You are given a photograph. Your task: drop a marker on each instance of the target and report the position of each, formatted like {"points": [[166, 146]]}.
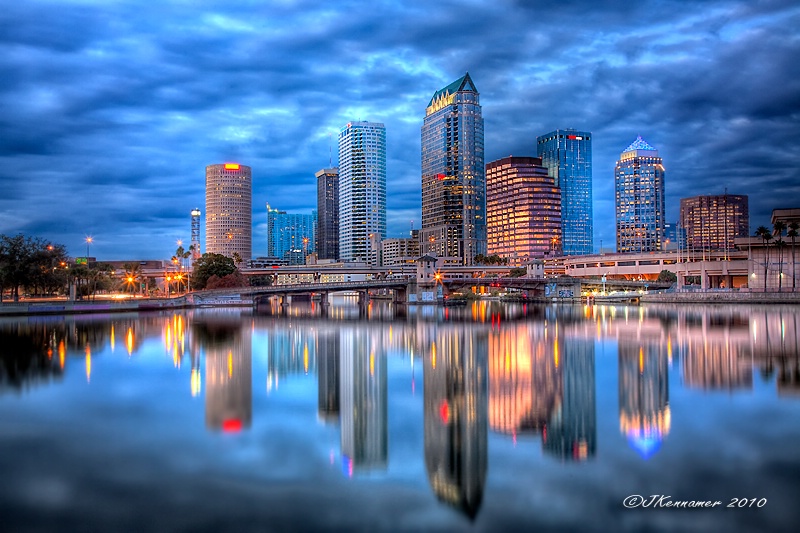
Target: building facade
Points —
{"points": [[229, 210], [362, 190], [327, 236], [400, 251], [714, 222], [639, 199], [453, 178], [523, 210], [290, 235], [567, 154]]}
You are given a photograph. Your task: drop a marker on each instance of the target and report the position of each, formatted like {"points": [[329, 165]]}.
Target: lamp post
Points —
{"points": [[89, 239]]}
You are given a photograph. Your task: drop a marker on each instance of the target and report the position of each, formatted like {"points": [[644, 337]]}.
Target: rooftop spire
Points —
{"points": [[639, 144]]}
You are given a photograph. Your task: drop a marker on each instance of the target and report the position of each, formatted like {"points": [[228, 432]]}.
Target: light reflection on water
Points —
{"points": [[432, 415]]}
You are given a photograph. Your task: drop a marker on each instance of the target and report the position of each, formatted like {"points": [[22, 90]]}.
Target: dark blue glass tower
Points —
{"points": [[567, 154]]}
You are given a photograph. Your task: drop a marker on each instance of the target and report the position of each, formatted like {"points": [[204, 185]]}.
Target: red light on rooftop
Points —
{"points": [[231, 166], [232, 425]]}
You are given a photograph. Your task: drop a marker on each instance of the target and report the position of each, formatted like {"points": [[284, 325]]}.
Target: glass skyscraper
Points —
{"points": [[362, 190], [327, 244], [453, 174], [287, 232], [567, 154], [639, 198]]}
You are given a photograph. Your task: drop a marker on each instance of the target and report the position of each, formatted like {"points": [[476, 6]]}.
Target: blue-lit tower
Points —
{"points": [[639, 198], [567, 154]]}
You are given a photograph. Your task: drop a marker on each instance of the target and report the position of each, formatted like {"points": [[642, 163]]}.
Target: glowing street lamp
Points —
{"points": [[89, 240]]}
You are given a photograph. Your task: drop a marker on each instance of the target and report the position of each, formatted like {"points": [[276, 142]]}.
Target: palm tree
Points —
{"points": [[766, 236], [793, 226], [777, 230]]}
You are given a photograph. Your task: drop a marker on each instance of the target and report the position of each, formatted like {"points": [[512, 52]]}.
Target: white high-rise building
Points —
{"points": [[362, 190]]}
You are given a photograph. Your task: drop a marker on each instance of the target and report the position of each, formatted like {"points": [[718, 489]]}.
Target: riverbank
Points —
{"points": [[722, 297], [66, 307]]}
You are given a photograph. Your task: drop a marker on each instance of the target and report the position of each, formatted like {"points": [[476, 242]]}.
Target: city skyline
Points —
{"points": [[115, 111]]}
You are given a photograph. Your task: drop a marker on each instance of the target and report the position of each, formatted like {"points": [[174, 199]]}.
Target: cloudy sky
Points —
{"points": [[111, 109]]}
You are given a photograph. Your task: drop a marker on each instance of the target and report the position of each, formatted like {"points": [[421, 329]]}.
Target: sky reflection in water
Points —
{"points": [[489, 417]]}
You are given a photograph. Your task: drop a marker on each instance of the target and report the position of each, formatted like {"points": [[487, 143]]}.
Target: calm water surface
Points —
{"points": [[489, 417]]}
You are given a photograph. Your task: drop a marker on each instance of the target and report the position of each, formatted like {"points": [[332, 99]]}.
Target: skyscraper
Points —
{"points": [[327, 244], [229, 210], [713, 222], [523, 210], [453, 178], [567, 154], [290, 232], [362, 190], [639, 186]]}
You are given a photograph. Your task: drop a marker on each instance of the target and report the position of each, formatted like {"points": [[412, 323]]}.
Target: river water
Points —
{"points": [[489, 417]]}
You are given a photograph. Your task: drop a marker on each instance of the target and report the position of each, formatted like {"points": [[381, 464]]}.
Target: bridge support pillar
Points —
{"points": [[363, 298]]}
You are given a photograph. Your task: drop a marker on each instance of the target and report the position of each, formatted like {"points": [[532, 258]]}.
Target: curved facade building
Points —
{"points": [[229, 210], [523, 210]]}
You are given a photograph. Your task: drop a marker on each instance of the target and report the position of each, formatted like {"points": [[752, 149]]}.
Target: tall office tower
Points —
{"points": [[290, 235], [567, 154], [195, 245], [644, 413], [327, 243], [639, 185], [523, 210], [453, 179], [713, 222], [229, 210], [362, 190]]}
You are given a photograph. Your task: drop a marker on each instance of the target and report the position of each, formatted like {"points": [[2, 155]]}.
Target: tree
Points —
{"points": [[28, 262], [517, 273], [230, 281], [211, 265], [766, 236], [666, 275], [777, 230], [793, 233]]}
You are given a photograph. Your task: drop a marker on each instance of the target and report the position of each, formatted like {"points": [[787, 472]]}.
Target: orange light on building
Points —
{"points": [[231, 166]]}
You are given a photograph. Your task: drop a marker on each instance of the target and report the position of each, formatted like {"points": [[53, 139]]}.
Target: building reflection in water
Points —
{"points": [[363, 401], [571, 432], [290, 351], [228, 376], [525, 386], [644, 414], [328, 361], [456, 419]]}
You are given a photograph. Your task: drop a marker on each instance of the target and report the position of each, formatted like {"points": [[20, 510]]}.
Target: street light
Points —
{"points": [[89, 240]]}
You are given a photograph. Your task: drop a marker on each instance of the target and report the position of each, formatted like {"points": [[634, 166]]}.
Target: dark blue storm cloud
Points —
{"points": [[110, 111]]}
